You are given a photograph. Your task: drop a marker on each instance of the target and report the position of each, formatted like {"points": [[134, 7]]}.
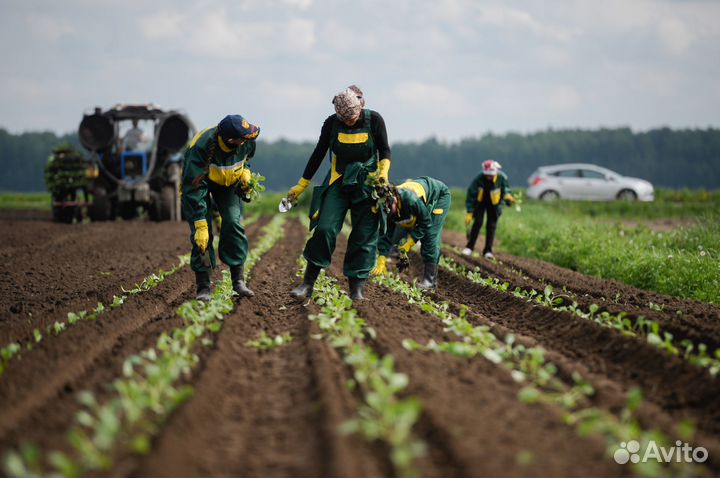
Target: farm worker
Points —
{"points": [[358, 143], [420, 206], [215, 169], [485, 196]]}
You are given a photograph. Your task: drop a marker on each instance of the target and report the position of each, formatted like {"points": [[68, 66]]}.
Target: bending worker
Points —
{"points": [[214, 168], [420, 205], [357, 140], [484, 197]]}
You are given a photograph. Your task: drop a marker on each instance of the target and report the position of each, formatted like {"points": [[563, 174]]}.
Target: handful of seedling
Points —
{"points": [[254, 187]]}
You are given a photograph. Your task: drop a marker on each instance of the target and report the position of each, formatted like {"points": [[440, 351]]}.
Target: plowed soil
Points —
{"points": [[277, 412]]}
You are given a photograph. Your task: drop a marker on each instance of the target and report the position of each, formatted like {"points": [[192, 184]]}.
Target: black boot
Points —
{"points": [[357, 286], [429, 280], [204, 292], [305, 289], [238, 282]]}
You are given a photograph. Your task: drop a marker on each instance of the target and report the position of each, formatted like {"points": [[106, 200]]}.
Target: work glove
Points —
{"points": [[407, 245], [380, 268], [202, 236], [244, 178], [509, 200], [468, 218], [298, 189], [383, 170]]}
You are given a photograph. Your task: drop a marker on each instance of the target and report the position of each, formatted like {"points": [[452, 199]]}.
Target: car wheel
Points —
{"points": [[550, 196], [627, 195]]}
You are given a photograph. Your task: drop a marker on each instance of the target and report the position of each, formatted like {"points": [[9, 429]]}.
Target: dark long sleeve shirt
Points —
{"points": [[379, 133]]}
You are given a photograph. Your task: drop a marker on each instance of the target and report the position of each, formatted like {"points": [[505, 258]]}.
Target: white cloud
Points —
{"points": [[514, 18], [217, 34], [675, 35], [49, 28], [423, 97]]}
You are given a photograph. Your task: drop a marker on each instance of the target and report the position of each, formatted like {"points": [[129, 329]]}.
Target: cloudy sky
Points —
{"points": [[443, 68]]}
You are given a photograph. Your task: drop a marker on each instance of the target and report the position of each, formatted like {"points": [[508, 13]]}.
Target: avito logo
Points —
{"points": [[681, 452]]}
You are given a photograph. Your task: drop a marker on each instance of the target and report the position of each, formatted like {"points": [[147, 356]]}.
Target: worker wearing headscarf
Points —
{"points": [[357, 140], [486, 195], [420, 205], [215, 168]]}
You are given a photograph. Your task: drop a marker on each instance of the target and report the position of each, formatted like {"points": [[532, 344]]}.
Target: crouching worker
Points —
{"points": [[420, 205], [215, 169], [485, 197]]}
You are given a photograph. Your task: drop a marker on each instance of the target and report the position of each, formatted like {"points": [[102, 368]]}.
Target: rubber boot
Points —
{"points": [[308, 284], [429, 280], [357, 286], [204, 292], [238, 282]]}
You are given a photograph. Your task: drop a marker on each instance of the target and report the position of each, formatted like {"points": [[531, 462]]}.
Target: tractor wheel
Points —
{"points": [[163, 206], [101, 207], [127, 210], [64, 215]]}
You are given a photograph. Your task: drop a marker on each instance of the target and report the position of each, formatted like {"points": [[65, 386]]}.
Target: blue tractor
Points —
{"points": [[137, 170]]}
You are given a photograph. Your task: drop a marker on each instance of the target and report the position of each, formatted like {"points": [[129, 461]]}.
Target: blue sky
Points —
{"points": [[445, 68]]}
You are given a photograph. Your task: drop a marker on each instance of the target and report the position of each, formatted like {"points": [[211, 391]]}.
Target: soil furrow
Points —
{"points": [[264, 413]]}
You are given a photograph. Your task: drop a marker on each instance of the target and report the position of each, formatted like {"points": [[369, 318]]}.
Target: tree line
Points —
{"points": [[684, 158]]}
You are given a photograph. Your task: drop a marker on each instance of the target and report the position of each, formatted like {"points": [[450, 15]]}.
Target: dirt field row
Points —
{"points": [[277, 412]]}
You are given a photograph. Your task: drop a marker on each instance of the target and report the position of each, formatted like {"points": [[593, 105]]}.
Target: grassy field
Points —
{"points": [[35, 201]]}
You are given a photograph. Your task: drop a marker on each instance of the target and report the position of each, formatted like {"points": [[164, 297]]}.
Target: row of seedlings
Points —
{"points": [[384, 414], [696, 354]]}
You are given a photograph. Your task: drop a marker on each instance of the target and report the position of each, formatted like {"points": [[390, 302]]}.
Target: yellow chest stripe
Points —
{"points": [[416, 188], [353, 138]]}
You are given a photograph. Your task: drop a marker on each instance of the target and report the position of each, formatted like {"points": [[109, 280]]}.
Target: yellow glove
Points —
{"points": [[510, 200], [202, 236], [405, 247], [468, 218], [380, 268], [383, 170], [298, 189], [244, 178]]}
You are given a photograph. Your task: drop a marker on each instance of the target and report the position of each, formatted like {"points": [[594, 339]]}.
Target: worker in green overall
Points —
{"points": [[357, 140], [485, 196], [215, 169], [420, 205]]}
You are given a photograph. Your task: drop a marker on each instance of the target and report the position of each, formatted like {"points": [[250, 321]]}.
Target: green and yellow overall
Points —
{"points": [[354, 156], [485, 196], [424, 206], [211, 172]]}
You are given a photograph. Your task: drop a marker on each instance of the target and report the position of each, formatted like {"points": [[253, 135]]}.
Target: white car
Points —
{"points": [[586, 182]]}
